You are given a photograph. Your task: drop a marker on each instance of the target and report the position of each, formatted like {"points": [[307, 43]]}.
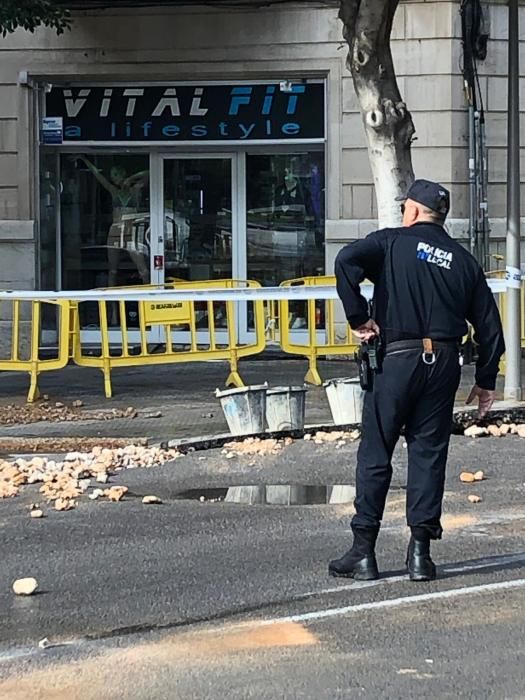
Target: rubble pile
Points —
{"points": [[47, 445], [339, 437], [62, 482], [58, 412], [255, 446], [495, 430]]}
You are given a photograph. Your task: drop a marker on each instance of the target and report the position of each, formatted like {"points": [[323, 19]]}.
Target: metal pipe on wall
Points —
{"points": [[472, 178], [513, 389], [483, 201]]}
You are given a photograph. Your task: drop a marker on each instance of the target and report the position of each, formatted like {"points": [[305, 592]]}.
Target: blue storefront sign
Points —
{"points": [[258, 112]]}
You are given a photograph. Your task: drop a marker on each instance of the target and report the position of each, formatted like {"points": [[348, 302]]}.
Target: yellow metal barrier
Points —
{"points": [[322, 335], [209, 332], [22, 332]]}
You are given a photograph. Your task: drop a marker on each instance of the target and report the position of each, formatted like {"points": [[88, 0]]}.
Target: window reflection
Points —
{"points": [[105, 227], [198, 218], [285, 223], [285, 217], [105, 220]]}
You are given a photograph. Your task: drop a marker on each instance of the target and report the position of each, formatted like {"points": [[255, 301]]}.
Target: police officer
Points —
{"points": [[426, 286]]}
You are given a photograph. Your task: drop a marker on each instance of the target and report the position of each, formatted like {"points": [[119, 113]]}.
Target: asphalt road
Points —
{"points": [[215, 600]]}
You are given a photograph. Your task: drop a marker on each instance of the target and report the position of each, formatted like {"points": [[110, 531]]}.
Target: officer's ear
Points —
{"points": [[411, 213]]}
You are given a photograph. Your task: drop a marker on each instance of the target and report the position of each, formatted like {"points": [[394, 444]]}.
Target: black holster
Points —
{"points": [[369, 361]]}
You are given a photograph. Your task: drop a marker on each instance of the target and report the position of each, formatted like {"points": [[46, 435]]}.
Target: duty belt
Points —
{"points": [[426, 344]]}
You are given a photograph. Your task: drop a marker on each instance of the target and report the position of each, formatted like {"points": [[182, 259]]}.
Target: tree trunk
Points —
{"points": [[388, 124]]}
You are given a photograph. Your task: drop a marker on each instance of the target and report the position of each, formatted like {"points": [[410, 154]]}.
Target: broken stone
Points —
{"points": [[494, 431], [7, 490], [116, 493], [77, 404], [73, 456], [151, 500], [25, 586], [252, 446], [37, 513], [62, 486], [475, 431], [479, 475], [474, 499], [63, 504], [13, 475], [151, 414], [467, 477], [307, 437], [44, 643], [333, 436]]}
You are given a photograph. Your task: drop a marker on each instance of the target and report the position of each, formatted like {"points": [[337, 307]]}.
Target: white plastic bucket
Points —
{"points": [[346, 398], [244, 409], [285, 408]]}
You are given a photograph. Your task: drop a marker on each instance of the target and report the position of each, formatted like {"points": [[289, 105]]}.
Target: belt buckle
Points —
{"points": [[428, 355]]}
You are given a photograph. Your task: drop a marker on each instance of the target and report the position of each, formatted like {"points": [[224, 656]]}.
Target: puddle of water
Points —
{"points": [[274, 494]]}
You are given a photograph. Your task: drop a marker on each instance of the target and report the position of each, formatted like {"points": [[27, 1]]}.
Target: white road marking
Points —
{"points": [[395, 602]]}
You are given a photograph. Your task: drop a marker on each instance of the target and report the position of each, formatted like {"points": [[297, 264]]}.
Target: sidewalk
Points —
{"points": [[183, 394]]}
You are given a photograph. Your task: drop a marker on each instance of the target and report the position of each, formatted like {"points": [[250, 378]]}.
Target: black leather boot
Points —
{"points": [[419, 563], [359, 562]]}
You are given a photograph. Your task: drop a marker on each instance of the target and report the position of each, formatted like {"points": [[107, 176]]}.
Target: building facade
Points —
{"points": [[175, 143]]}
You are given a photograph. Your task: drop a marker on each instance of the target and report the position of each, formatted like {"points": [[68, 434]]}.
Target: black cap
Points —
{"points": [[430, 194]]}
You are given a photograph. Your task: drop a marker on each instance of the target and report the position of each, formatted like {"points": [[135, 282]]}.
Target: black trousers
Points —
{"points": [[420, 397]]}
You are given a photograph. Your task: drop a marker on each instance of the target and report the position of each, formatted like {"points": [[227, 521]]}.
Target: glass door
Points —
{"points": [[198, 214], [198, 235]]}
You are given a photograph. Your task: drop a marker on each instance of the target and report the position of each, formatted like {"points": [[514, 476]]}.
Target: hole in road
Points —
{"points": [[274, 494]]}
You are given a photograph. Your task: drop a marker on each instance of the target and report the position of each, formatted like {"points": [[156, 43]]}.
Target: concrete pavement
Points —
{"points": [[184, 394]]}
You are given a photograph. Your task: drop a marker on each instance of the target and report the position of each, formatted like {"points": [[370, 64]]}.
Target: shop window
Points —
{"points": [[285, 222], [105, 220], [285, 216]]}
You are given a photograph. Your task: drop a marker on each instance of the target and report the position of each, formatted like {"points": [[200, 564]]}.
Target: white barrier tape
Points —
{"points": [[295, 293], [302, 292]]}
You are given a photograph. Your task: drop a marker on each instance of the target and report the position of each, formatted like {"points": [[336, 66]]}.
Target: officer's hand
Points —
{"points": [[367, 331], [486, 399]]}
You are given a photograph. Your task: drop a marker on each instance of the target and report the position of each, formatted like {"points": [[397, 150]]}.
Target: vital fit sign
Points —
{"points": [[189, 113]]}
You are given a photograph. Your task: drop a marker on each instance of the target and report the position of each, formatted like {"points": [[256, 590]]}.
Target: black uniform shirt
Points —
{"points": [[426, 286]]}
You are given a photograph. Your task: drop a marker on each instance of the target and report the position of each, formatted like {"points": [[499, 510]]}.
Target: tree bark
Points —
{"points": [[367, 26]]}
